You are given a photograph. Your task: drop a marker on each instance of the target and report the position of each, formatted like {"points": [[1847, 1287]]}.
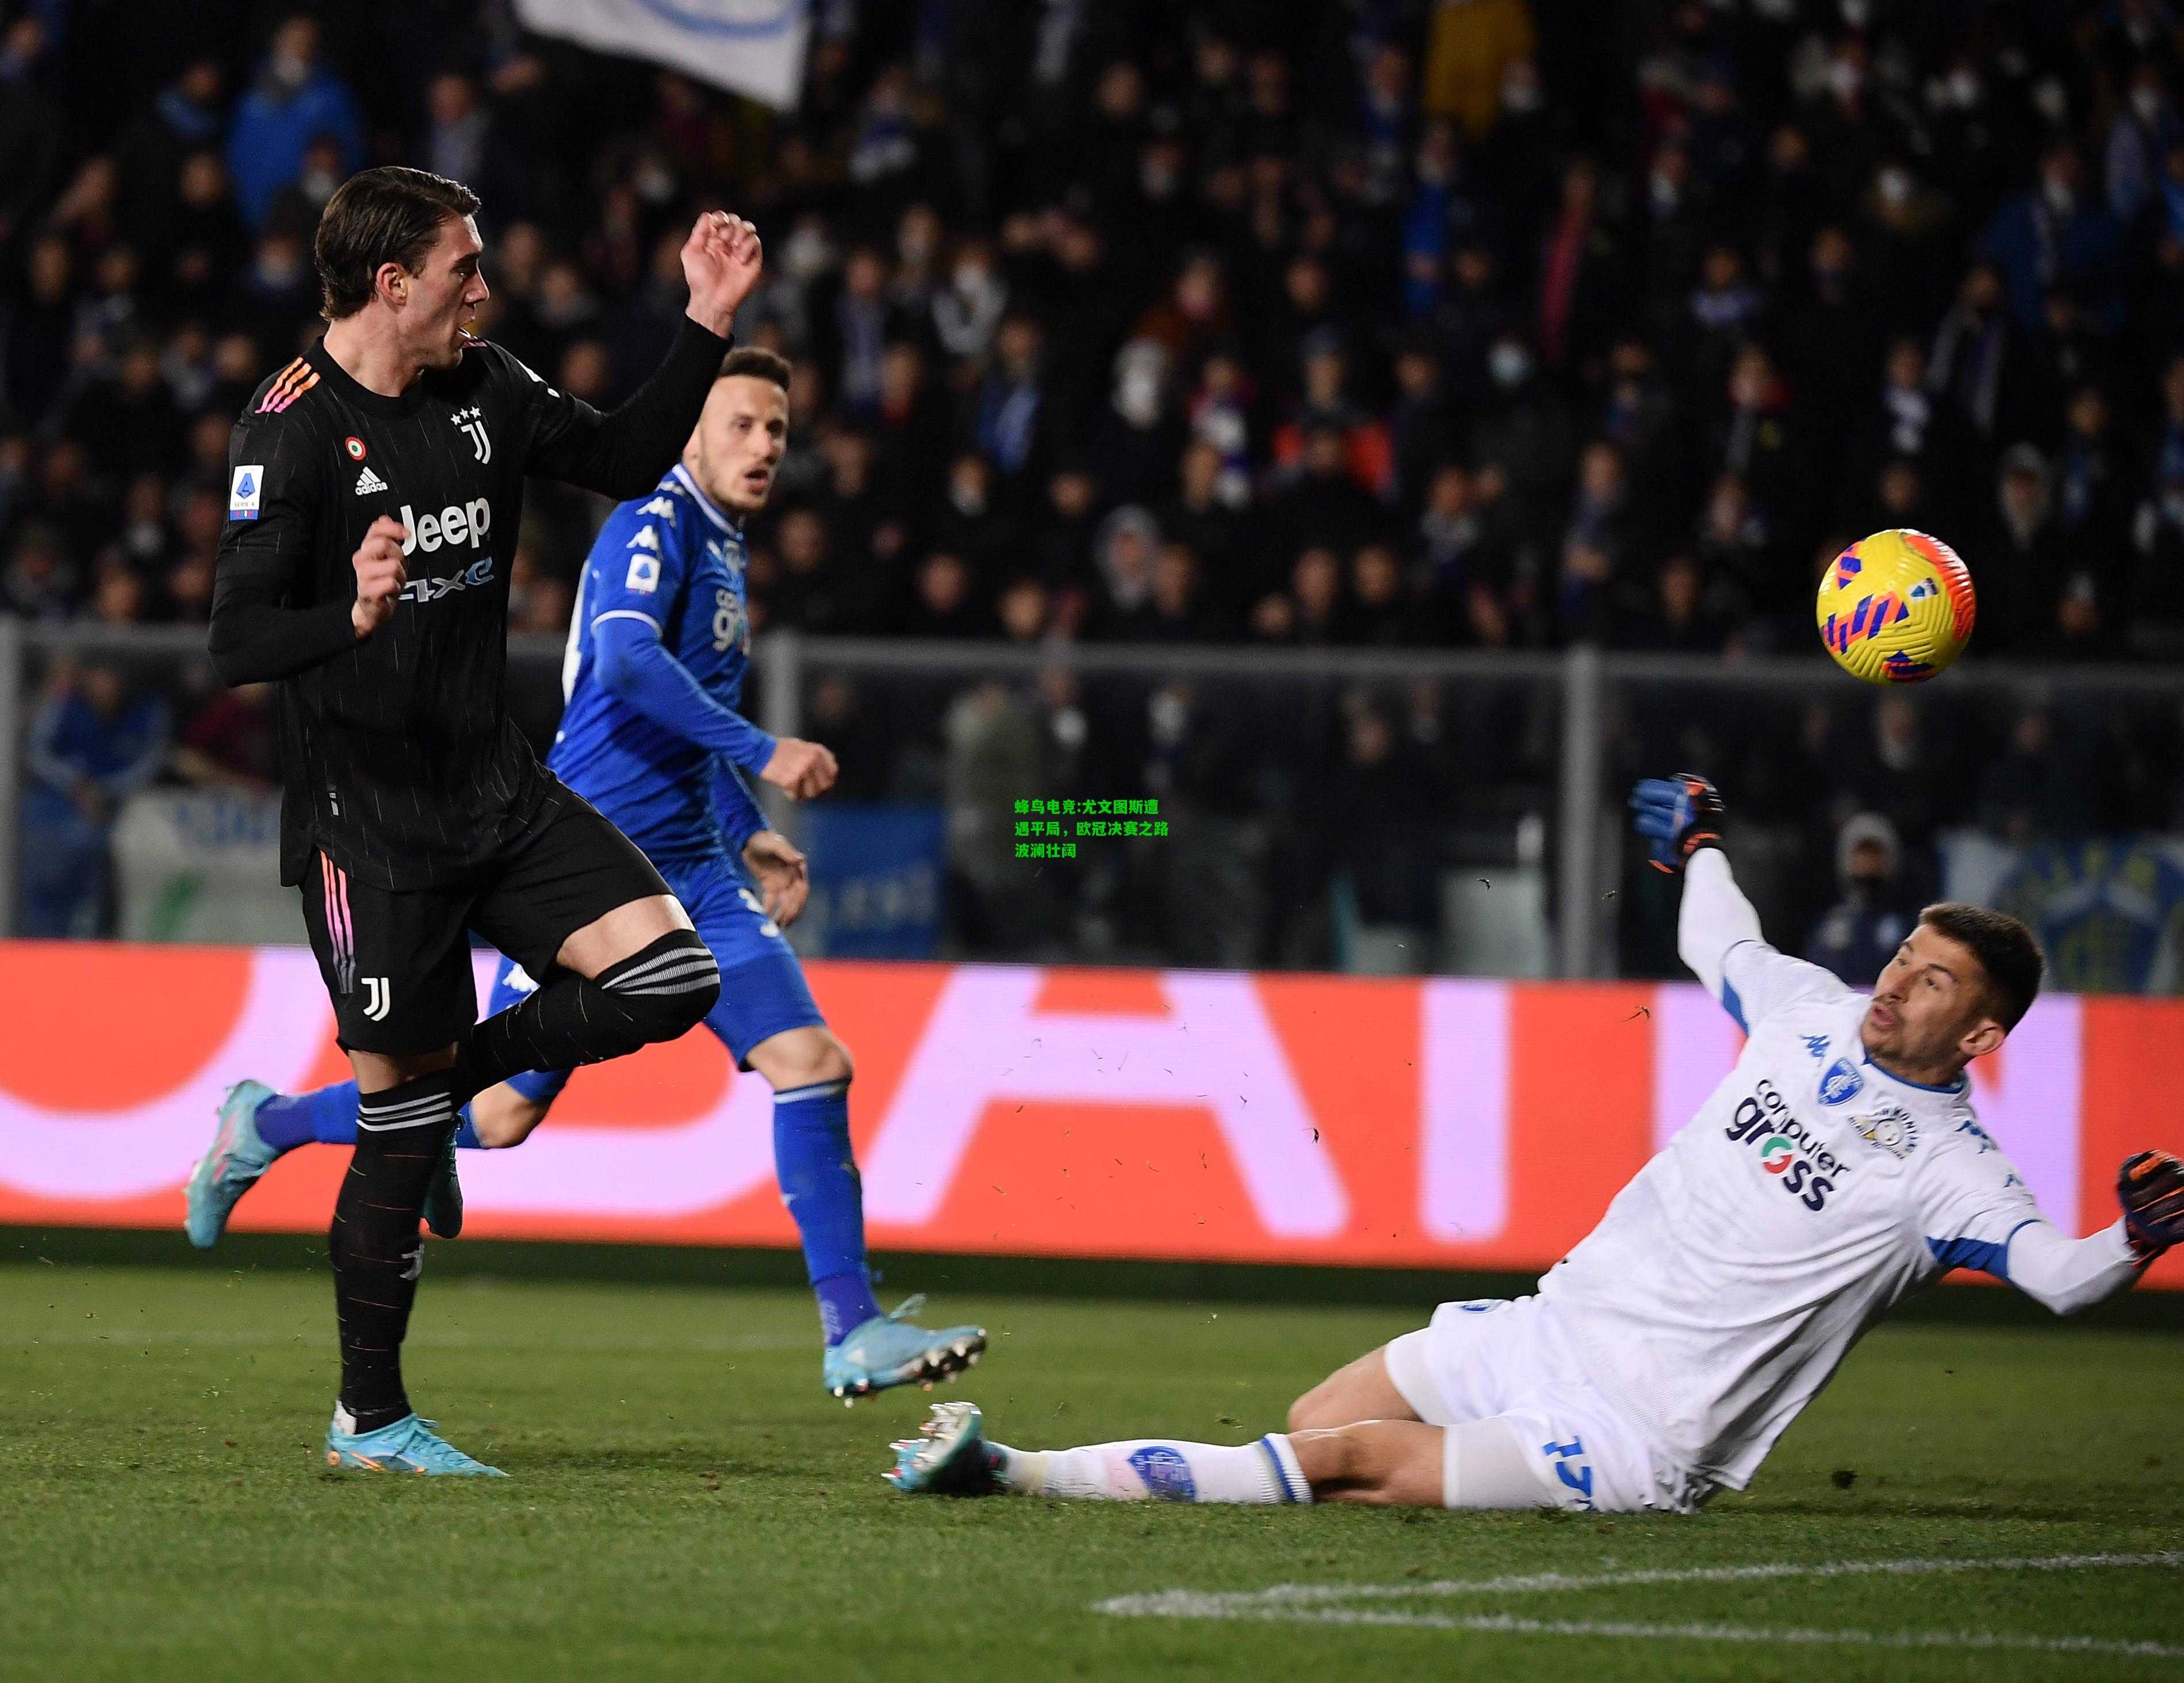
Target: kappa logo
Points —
{"points": [[368, 481], [1842, 1083], [472, 421], [1817, 1045], [662, 506]]}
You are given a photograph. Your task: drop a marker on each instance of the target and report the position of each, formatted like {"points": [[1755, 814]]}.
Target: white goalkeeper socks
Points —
{"points": [[1159, 1469]]}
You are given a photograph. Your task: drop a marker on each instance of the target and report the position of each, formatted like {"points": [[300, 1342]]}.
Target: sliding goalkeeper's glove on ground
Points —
{"points": [[2151, 1188], [1679, 814]]}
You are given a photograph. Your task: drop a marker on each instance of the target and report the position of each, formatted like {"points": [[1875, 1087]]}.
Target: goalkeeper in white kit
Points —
{"points": [[1837, 1170]]}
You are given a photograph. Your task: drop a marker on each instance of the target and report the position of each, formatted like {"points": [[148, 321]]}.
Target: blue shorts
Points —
{"points": [[763, 992]]}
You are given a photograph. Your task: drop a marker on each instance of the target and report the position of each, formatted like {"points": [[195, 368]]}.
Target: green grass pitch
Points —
{"points": [[686, 1503]]}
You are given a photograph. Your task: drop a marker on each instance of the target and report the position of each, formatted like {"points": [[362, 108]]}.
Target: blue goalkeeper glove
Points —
{"points": [[1679, 814], [2151, 1189]]}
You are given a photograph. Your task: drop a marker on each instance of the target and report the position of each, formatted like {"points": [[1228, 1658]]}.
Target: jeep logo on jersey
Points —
{"points": [[456, 525], [431, 589], [1842, 1083]]}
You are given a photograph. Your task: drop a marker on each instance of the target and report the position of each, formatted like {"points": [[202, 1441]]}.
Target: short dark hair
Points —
{"points": [[389, 214], [758, 362], [2005, 949]]}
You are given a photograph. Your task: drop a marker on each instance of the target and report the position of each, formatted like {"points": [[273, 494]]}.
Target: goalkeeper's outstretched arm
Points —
{"points": [[1717, 932], [2068, 1274]]}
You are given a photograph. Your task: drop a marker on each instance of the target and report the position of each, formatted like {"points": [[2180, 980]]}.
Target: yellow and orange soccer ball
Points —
{"points": [[1896, 607]]}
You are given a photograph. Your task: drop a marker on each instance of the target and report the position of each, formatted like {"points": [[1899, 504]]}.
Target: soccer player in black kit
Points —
{"points": [[376, 485]]}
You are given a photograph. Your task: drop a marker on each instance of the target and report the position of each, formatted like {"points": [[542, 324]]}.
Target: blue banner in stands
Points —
{"points": [[876, 880]]}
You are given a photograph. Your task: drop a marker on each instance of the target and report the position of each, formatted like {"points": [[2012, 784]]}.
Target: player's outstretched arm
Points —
{"points": [[2068, 1274], [1992, 1222], [1717, 932], [623, 454], [635, 668]]}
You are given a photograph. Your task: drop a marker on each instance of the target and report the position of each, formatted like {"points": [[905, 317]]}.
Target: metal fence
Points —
{"points": [[1382, 811]]}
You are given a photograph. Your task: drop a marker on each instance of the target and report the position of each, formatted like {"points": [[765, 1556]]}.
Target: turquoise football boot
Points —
{"points": [[409, 1446], [948, 1456], [444, 1198], [888, 1350], [239, 1157]]}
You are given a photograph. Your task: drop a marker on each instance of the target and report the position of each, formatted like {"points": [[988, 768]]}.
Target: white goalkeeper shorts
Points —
{"points": [[1511, 1359]]}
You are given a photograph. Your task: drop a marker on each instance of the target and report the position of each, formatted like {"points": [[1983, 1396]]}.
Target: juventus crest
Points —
{"points": [[472, 421]]}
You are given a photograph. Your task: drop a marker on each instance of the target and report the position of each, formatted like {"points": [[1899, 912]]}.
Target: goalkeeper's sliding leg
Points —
{"points": [[1384, 1462], [1486, 1408]]}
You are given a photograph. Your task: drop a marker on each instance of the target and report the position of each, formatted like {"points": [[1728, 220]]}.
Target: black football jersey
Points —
{"points": [[400, 759]]}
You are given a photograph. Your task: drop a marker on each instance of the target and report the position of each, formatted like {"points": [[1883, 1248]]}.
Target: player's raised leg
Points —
{"points": [[257, 1127]]}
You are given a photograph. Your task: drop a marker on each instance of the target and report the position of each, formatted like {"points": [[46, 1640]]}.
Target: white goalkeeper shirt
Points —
{"points": [[1811, 1192]]}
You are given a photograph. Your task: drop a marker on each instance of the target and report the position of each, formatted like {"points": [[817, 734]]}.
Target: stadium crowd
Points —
{"points": [[1492, 323]]}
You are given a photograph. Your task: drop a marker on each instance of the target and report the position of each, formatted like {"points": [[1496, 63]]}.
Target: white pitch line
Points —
{"points": [[1222, 1604], [1505, 1624], [1316, 1604]]}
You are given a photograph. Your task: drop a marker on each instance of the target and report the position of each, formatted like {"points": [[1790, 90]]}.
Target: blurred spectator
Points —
{"points": [[1379, 614], [944, 603], [90, 746], [2035, 789], [39, 331], [294, 99], [2017, 559], [1859, 934], [1580, 275], [808, 595], [1676, 619], [2052, 230], [1133, 444], [40, 583], [1126, 546], [968, 309], [1472, 45], [229, 744], [1008, 424]]}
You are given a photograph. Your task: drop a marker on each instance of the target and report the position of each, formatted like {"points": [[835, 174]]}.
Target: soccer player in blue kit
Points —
{"points": [[651, 736]]}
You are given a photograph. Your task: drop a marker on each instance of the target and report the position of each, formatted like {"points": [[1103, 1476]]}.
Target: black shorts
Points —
{"points": [[397, 964]]}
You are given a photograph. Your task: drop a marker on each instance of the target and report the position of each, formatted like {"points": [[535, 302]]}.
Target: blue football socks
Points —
{"points": [[819, 1184], [328, 1116]]}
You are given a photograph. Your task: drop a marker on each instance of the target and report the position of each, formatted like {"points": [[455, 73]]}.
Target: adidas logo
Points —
{"points": [[368, 481]]}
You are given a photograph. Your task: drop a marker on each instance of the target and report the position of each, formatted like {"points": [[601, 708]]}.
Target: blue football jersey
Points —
{"points": [[675, 560]]}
